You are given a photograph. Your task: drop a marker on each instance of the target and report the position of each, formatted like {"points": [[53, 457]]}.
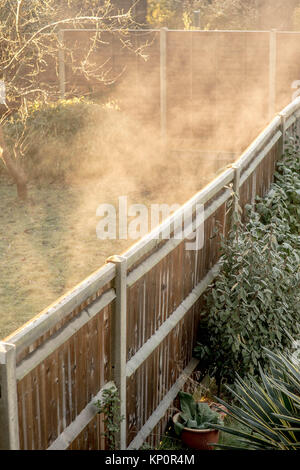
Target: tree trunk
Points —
{"points": [[13, 169]]}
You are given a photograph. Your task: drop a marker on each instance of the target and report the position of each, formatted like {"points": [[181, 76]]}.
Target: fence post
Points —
{"points": [[61, 65], [272, 73], [282, 128], [163, 83], [9, 420], [119, 342], [236, 186]]}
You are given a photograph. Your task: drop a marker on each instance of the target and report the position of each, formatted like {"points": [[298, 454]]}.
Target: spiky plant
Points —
{"points": [[271, 411]]}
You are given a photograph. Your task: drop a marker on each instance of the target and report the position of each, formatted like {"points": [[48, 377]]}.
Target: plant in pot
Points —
{"points": [[196, 421]]}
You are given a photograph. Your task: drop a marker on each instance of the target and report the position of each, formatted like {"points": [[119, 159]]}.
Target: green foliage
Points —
{"points": [[255, 300], [283, 201], [225, 14], [214, 14], [164, 13], [195, 415], [30, 46], [61, 119], [271, 411], [110, 407], [229, 14]]}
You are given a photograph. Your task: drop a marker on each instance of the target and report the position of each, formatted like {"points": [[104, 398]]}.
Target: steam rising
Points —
{"points": [[50, 245]]}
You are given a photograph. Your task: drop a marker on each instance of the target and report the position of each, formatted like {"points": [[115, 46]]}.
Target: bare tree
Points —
{"points": [[30, 46]]}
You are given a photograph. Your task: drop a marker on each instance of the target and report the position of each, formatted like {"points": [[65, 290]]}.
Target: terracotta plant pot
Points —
{"points": [[199, 439], [202, 438]]}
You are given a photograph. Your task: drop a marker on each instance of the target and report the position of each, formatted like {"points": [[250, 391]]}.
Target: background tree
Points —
{"points": [[30, 46], [214, 14], [276, 14], [164, 13], [223, 14], [296, 17], [226, 14]]}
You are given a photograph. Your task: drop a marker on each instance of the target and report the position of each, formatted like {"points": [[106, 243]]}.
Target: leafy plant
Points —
{"points": [[283, 201], [164, 13], [59, 138], [255, 299], [195, 415], [109, 405], [271, 411], [215, 14]]}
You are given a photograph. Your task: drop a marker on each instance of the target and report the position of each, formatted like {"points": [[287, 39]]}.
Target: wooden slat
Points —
{"points": [[162, 408], [146, 350], [60, 338]]}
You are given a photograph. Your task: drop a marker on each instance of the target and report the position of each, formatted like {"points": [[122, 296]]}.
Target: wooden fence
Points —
{"points": [[133, 323]]}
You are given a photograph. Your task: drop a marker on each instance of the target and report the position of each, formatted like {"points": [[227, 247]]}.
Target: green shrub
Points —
{"points": [[284, 198], [255, 300], [56, 139], [109, 406]]}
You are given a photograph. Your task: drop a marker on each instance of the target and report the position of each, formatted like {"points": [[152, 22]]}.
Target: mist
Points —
{"points": [[217, 101]]}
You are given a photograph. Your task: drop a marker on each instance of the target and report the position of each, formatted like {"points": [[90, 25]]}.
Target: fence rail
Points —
{"points": [[133, 323]]}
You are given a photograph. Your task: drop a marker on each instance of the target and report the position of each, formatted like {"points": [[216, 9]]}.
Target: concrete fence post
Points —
{"points": [[61, 65], [272, 73], [236, 186], [282, 140], [119, 352], [9, 420], [163, 83]]}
